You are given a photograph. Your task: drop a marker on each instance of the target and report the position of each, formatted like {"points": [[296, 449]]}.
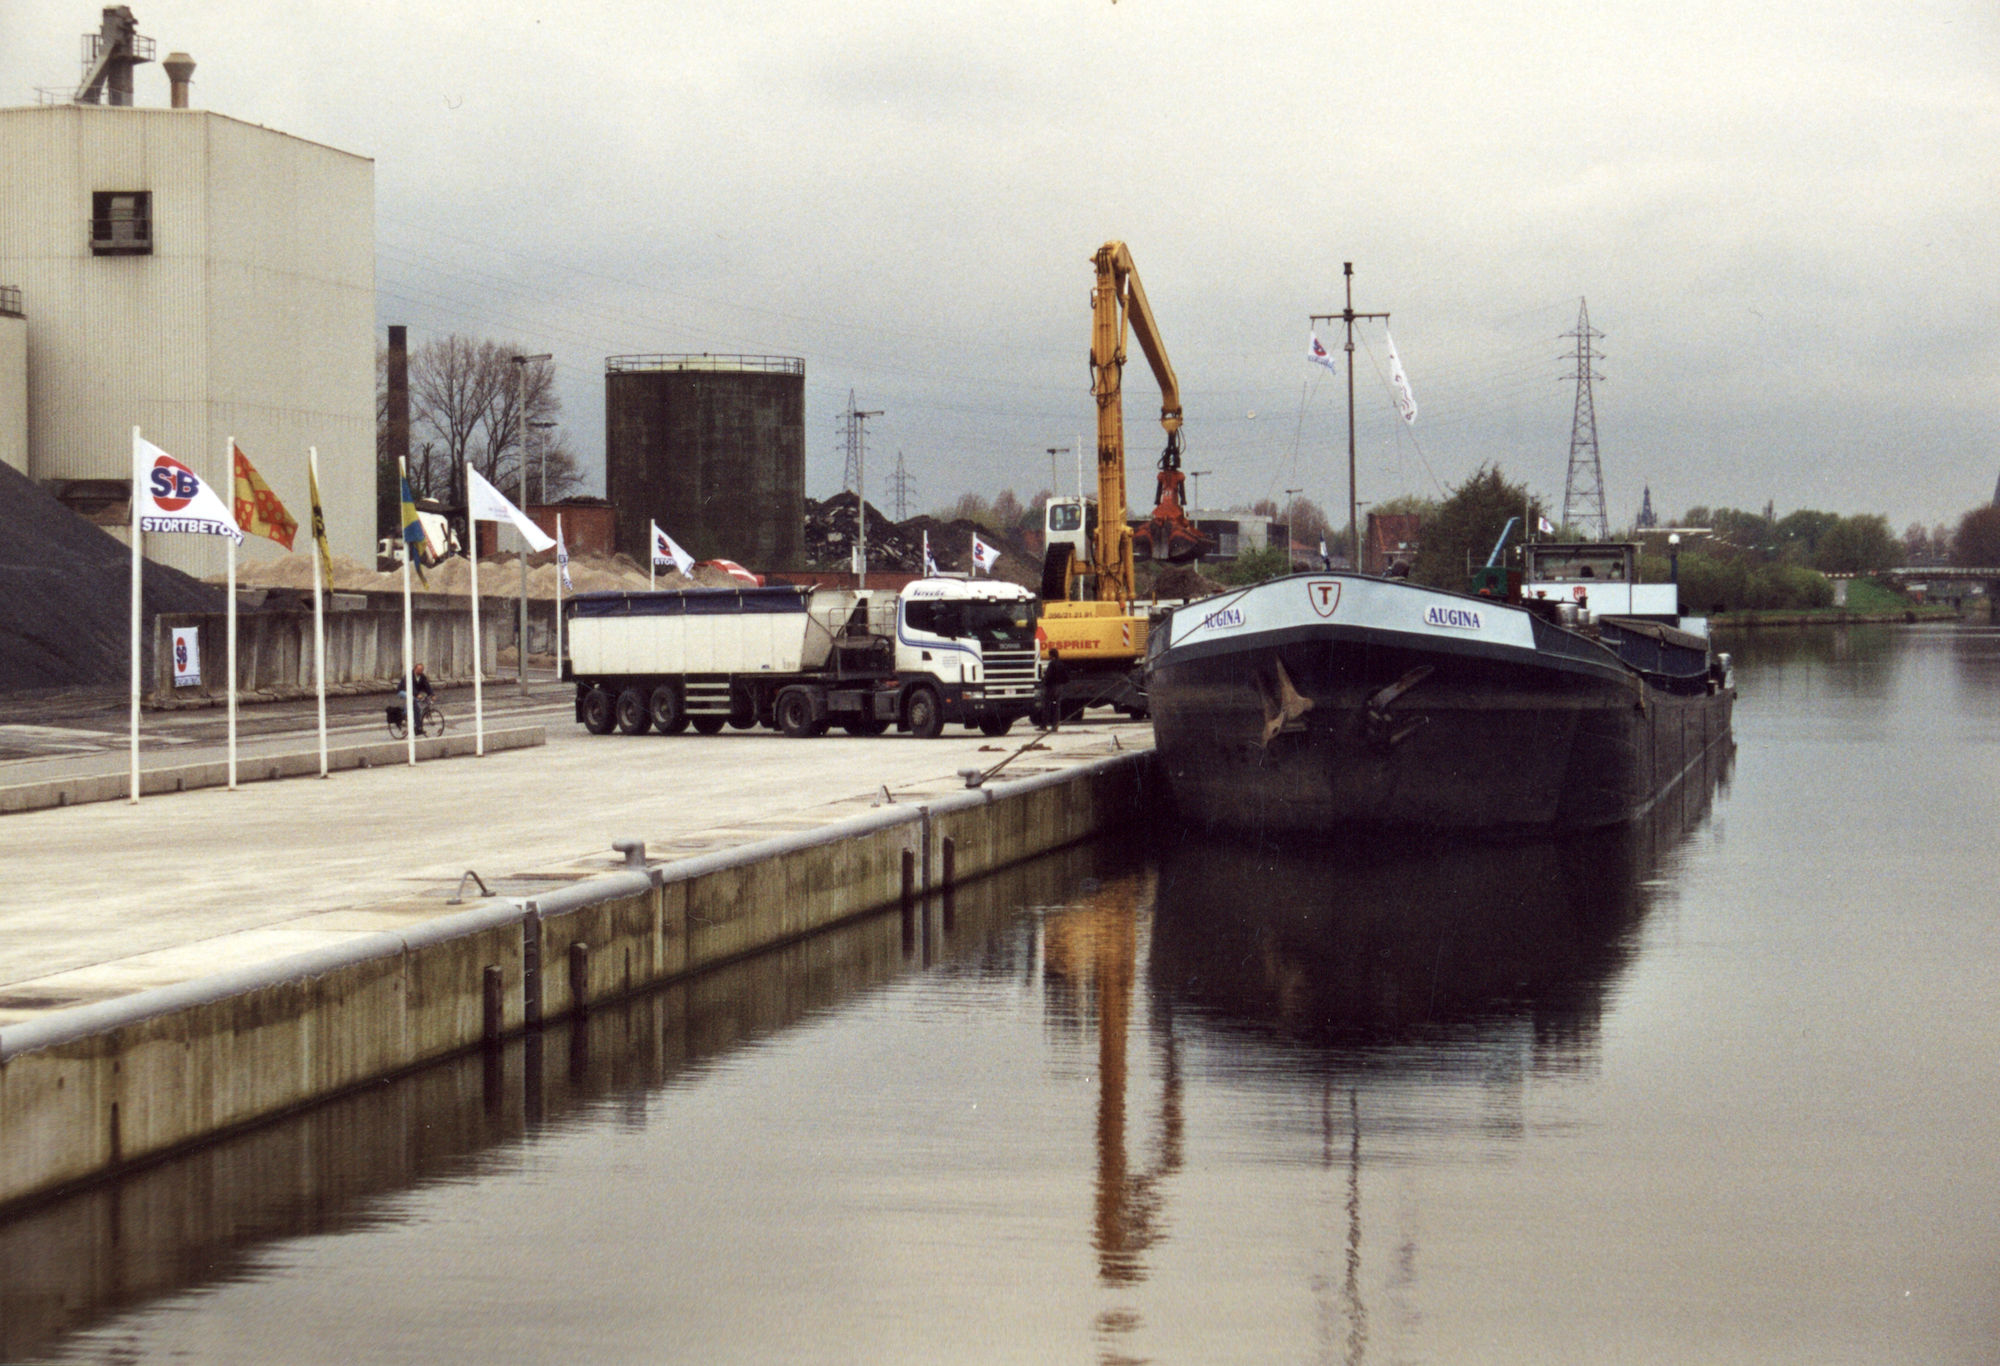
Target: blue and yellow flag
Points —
{"points": [[413, 530]]}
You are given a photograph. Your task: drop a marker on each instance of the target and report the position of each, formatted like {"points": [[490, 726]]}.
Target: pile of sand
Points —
{"points": [[66, 593], [499, 576]]}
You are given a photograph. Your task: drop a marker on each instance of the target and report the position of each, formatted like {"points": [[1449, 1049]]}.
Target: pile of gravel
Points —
{"points": [[66, 594]]}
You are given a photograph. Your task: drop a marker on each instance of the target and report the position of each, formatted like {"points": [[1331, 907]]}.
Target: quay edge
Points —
{"points": [[92, 1090]]}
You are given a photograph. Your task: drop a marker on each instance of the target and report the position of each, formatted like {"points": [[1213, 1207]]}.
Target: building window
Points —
{"points": [[121, 223]]}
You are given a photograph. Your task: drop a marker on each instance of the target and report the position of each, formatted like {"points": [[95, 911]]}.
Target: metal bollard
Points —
{"points": [[495, 1017], [579, 978]]}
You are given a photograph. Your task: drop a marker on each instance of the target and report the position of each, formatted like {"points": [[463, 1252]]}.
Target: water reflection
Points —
{"points": [[214, 1215], [1381, 972], [1386, 945]]}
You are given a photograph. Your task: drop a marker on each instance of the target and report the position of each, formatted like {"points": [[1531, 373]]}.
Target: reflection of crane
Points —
{"points": [[1088, 581], [1093, 949]]}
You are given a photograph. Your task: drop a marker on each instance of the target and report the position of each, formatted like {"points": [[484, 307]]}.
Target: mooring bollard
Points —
{"points": [[579, 978], [490, 996], [909, 880], [949, 876]]}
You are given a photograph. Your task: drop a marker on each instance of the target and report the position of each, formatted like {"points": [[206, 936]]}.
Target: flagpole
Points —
{"points": [[229, 459], [136, 495], [652, 556], [410, 721], [478, 654], [319, 609], [562, 568]]}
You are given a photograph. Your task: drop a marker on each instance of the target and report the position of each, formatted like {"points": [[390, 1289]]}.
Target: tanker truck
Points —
{"points": [[799, 660]]}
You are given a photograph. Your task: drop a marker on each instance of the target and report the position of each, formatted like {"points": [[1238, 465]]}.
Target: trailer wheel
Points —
{"points": [[926, 714], [600, 711], [795, 714], [633, 718], [665, 707], [709, 725], [742, 711], [864, 725], [995, 725]]}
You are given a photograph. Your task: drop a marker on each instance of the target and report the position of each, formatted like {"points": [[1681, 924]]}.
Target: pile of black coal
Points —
{"points": [[66, 593]]}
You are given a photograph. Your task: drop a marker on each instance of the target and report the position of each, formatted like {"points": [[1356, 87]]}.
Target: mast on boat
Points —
{"points": [[1348, 315]]}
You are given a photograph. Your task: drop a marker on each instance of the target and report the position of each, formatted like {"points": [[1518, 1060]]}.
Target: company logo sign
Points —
{"points": [[1456, 618], [1324, 594], [173, 484]]}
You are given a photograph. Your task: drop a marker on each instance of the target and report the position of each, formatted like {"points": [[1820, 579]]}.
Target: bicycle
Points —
{"points": [[399, 725]]}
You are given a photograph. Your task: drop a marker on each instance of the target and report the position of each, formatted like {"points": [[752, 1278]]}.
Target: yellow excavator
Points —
{"points": [[1092, 639]]}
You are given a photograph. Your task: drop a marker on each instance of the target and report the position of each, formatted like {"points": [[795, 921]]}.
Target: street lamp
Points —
{"points": [[1054, 484], [521, 403], [1194, 481]]}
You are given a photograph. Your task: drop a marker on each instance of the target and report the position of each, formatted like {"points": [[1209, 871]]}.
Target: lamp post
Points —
{"points": [[542, 474], [1054, 484], [1194, 485], [521, 491], [1291, 516]]}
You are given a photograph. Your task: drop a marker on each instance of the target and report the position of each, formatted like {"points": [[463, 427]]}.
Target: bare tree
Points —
{"points": [[466, 406]]}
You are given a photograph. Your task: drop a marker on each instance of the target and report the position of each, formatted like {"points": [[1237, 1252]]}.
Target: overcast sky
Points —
{"points": [[1782, 216]]}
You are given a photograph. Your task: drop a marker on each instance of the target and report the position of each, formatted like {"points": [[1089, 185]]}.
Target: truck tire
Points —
{"points": [[926, 714], [864, 725], [600, 711], [665, 707], [633, 716], [709, 725], [995, 725], [794, 711]]}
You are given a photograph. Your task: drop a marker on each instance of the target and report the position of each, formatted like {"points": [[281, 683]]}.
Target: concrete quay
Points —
{"points": [[198, 962]]}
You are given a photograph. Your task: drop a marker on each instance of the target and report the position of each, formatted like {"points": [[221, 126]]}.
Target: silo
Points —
{"points": [[713, 448]]}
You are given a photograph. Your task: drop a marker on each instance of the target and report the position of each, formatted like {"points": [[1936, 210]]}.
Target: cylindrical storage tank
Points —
{"points": [[713, 448]]}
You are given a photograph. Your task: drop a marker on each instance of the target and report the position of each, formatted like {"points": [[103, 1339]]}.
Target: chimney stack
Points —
{"points": [[180, 70]]}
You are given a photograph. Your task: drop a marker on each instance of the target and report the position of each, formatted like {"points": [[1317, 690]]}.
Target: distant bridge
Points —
{"points": [[1939, 574]]}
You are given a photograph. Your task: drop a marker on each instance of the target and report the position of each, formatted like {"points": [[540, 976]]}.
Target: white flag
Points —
{"points": [[667, 551], [1405, 400], [1319, 355], [984, 556], [930, 564], [1545, 527], [172, 497], [491, 505], [562, 559]]}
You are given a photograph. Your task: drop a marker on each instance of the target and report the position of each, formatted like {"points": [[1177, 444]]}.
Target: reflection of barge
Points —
{"points": [[1572, 701], [1390, 942]]}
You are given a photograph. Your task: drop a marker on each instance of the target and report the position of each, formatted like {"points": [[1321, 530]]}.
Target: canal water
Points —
{"points": [[1724, 1087]]}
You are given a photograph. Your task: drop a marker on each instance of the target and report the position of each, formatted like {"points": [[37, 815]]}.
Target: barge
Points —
{"points": [[1559, 695]]}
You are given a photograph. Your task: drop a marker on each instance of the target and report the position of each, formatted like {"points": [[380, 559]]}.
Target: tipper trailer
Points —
{"points": [[798, 660]]}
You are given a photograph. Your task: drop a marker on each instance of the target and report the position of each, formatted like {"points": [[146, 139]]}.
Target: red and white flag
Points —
{"points": [[172, 497], [984, 556], [1319, 355], [666, 550]]}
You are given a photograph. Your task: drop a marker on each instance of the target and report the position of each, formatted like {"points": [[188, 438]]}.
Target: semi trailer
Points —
{"points": [[799, 660]]}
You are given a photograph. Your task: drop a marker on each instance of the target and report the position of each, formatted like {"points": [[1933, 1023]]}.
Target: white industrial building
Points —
{"points": [[201, 278]]}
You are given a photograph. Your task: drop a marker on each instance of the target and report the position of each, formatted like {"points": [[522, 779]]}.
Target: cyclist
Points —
{"points": [[422, 685]]}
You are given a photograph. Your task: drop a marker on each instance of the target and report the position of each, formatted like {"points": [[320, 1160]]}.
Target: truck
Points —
{"points": [[799, 660]]}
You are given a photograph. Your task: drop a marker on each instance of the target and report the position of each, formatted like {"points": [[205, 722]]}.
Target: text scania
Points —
{"points": [[1459, 618]]}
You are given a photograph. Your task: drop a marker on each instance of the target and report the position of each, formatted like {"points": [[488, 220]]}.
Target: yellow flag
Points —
{"points": [[319, 522], [258, 511]]}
